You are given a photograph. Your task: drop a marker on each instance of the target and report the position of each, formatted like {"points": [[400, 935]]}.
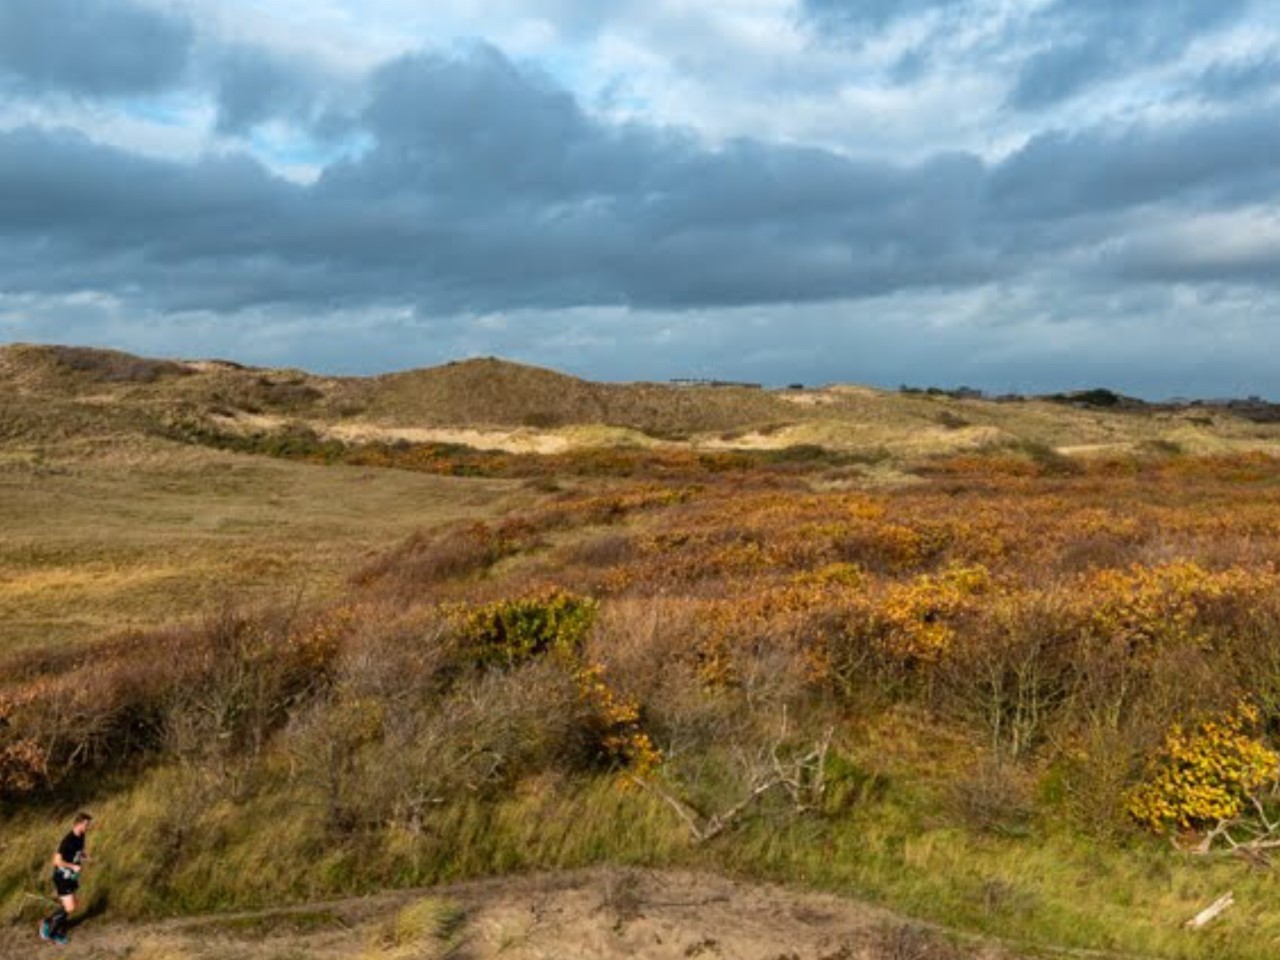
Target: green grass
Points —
{"points": [[170, 845]]}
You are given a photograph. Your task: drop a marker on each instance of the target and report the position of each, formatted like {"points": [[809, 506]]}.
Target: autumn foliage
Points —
{"points": [[1079, 619], [1205, 774]]}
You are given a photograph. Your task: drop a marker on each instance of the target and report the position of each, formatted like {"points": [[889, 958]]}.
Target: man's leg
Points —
{"points": [[58, 922]]}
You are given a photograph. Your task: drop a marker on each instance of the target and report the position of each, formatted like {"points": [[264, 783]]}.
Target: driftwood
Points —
{"points": [[1211, 911], [1252, 838]]}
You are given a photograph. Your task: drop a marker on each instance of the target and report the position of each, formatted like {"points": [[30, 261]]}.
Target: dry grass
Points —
{"points": [[59, 394], [138, 538]]}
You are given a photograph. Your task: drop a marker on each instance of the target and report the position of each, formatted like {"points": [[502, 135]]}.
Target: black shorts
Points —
{"points": [[65, 884]]}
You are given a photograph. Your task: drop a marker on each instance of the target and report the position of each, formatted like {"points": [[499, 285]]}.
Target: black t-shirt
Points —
{"points": [[71, 847]]}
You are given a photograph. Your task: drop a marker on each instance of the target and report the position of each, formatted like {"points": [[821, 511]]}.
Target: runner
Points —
{"points": [[67, 862]]}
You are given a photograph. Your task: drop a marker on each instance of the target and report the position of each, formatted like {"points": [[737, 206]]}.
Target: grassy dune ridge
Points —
{"points": [[934, 677]]}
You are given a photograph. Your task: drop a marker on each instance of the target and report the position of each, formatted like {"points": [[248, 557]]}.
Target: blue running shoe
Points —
{"points": [[44, 930], [60, 939]]}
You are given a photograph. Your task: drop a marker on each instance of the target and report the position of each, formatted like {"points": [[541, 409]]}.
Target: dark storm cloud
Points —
{"points": [[252, 86], [1260, 268], [62, 186], [1210, 250], [521, 191], [92, 47], [487, 187], [1225, 160], [1087, 41]]}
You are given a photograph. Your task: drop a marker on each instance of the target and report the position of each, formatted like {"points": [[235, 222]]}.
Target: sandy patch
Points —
{"points": [[514, 440], [603, 914], [510, 441], [855, 437], [808, 398], [1092, 449], [252, 422]]}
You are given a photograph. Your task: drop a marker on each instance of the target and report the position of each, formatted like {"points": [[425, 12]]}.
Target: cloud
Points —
{"points": [[1083, 42], [252, 86], [1232, 80], [103, 49], [1238, 247], [92, 48], [1225, 159], [1050, 52], [487, 187], [870, 15], [491, 210]]}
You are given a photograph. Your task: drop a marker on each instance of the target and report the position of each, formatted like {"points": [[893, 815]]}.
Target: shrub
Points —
{"points": [[1204, 775], [110, 366], [1012, 670], [616, 723], [992, 797], [507, 633], [1145, 609], [427, 559], [915, 622]]}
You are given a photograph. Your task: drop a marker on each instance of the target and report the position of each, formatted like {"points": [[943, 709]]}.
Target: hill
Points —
{"points": [[70, 394]]}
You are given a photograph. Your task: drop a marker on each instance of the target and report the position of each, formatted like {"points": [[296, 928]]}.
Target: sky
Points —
{"points": [[1017, 195]]}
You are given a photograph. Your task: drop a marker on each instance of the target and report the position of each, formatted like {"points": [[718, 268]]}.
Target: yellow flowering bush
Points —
{"points": [[1205, 774], [1147, 607], [622, 738], [510, 632], [555, 622], [917, 618]]}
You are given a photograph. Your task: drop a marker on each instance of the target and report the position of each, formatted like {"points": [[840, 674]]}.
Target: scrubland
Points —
{"points": [[989, 698], [1012, 692]]}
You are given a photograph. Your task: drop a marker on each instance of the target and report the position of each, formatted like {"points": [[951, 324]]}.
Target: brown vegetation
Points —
{"points": [[752, 649]]}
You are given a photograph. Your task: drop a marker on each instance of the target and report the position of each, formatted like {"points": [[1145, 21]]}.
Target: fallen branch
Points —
{"points": [[802, 779], [1211, 911]]}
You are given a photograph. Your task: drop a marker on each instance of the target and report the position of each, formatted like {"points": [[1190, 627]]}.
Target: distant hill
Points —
{"points": [[67, 394], [500, 393], [468, 393]]}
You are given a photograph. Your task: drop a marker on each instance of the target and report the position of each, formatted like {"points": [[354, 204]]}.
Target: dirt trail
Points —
{"points": [[605, 914]]}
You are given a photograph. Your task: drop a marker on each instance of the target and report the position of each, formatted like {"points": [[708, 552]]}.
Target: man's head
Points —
{"points": [[81, 823]]}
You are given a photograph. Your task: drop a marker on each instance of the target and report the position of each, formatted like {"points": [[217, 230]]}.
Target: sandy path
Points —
{"points": [[605, 914]]}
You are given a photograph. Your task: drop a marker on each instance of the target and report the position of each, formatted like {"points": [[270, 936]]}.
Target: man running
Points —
{"points": [[67, 861]]}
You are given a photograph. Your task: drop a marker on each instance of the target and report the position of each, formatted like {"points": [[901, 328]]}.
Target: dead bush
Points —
{"points": [[1098, 551], [1011, 671], [993, 796], [373, 762], [456, 552], [244, 676], [425, 559], [217, 689], [603, 550]]}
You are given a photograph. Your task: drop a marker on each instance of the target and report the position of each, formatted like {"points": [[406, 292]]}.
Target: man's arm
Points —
{"points": [[59, 862]]}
